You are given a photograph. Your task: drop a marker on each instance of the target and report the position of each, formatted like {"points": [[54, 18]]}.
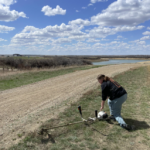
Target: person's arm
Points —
{"points": [[102, 105], [104, 95]]}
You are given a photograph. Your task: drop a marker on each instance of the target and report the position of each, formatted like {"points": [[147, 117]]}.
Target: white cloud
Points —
{"points": [[80, 22], [5, 29], [102, 32], [29, 29], [135, 41], [145, 38], [142, 42], [92, 40], [119, 37], [148, 28], [124, 12], [7, 2], [90, 4], [31, 35], [84, 7], [9, 15], [52, 12], [61, 40], [2, 40], [114, 42], [77, 10], [138, 42], [146, 33], [105, 39], [94, 1], [56, 47]]}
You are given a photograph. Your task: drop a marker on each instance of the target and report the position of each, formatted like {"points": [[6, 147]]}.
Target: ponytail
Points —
{"points": [[102, 76], [106, 78]]}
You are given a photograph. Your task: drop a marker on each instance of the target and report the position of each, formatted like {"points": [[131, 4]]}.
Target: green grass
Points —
{"points": [[108, 136], [18, 80]]}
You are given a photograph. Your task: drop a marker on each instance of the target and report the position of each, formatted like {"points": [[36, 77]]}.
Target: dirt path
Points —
{"points": [[24, 108]]}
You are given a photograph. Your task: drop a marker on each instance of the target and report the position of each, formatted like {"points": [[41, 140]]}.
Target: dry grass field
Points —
{"points": [[24, 109]]}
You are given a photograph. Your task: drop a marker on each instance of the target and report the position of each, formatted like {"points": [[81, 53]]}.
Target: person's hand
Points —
{"points": [[102, 107]]}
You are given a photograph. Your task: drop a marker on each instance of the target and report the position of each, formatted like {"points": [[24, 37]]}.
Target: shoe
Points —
{"points": [[128, 127], [112, 117]]}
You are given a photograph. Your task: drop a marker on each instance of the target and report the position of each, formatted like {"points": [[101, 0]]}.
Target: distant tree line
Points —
{"points": [[20, 63]]}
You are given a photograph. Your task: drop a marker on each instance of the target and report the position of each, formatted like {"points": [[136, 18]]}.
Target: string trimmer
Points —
{"points": [[98, 116]]}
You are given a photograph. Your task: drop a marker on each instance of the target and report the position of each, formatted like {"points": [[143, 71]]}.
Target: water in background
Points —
{"points": [[115, 61]]}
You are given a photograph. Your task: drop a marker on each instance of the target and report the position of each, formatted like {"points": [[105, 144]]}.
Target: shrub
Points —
{"points": [[43, 62]]}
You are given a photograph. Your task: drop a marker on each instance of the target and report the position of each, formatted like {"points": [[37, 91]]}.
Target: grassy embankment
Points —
{"points": [[80, 136], [18, 80]]}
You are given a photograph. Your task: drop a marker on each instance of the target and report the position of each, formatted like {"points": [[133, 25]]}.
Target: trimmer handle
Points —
{"points": [[79, 108], [96, 113]]}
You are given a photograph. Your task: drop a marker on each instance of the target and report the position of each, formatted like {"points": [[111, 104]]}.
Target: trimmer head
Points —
{"points": [[102, 115]]}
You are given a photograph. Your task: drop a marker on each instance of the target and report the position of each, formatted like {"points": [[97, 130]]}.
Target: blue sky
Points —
{"points": [[75, 27]]}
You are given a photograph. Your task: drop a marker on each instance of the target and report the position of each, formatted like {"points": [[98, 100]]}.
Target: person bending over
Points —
{"points": [[116, 95]]}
